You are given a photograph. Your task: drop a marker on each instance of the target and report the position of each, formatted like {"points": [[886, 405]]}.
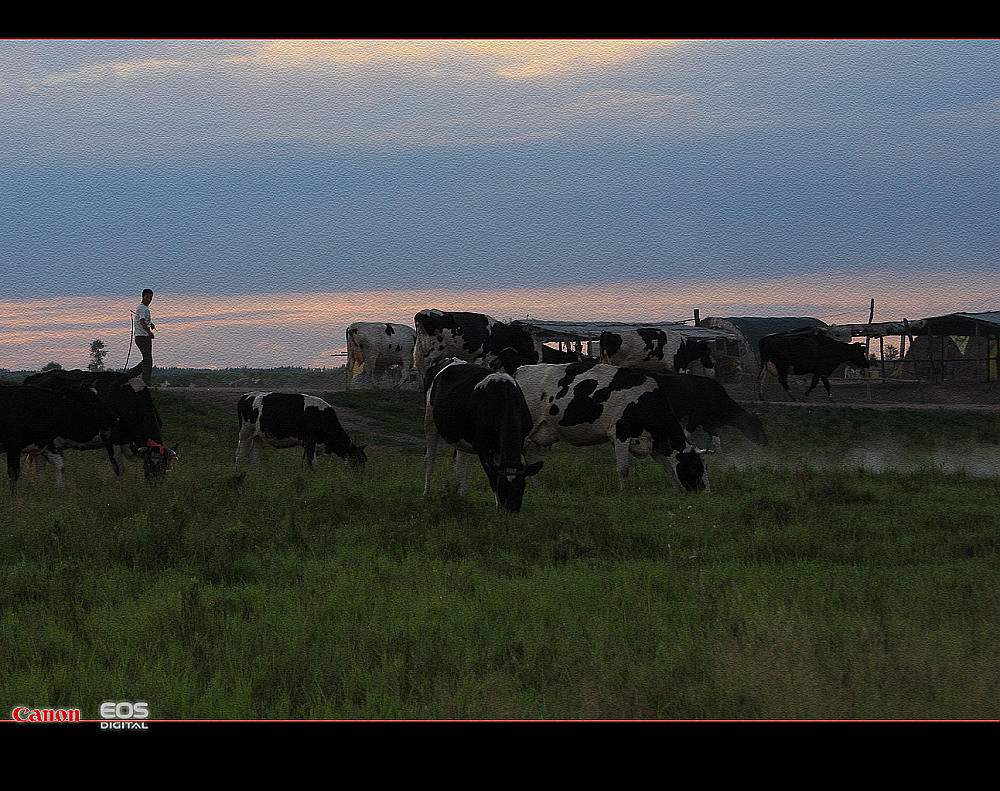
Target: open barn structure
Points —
{"points": [[955, 347], [584, 336]]}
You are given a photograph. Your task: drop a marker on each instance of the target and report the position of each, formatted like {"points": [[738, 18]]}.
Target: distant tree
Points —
{"points": [[52, 366], [97, 355]]}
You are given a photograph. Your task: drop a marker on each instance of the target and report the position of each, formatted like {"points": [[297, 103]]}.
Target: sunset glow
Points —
{"points": [[307, 330]]}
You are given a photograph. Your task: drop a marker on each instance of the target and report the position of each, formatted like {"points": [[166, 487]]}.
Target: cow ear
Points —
{"points": [[532, 469]]}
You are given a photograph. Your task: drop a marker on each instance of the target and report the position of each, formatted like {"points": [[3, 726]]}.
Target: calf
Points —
{"points": [[284, 420], [806, 351], [654, 349], [471, 337], [481, 412], [138, 433], [706, 404], [377, 343], [45, 422], [589, 404]]}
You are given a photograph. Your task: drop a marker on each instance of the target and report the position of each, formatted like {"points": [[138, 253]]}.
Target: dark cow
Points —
{"points": [[284, 420], [654, 349], [706, 404], [481, 412], [46, 422], [139, 432], [471, 337], [546, 354], [589, 404], [806, 351], [379, 343]]}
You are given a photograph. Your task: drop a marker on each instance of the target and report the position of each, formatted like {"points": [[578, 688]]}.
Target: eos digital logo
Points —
{"points": [[121, 715]]}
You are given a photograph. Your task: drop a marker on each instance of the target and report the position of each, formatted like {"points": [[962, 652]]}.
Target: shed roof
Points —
{"points": [[753, 328], [949, 324], [591, 330]]}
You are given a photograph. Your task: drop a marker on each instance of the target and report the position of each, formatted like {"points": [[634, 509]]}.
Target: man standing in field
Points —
{"points": [[144, 334]]}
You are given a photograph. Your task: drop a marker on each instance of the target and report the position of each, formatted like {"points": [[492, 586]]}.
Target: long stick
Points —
{"points": [[130, 338]]}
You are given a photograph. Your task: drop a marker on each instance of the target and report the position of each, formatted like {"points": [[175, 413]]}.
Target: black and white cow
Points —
{"points": [[482, 412], [806, 351], [379, 343], [654, 349], [46, 422], [471, 337], [284, 420], [706, 404], [139, 432], [589, 404]]}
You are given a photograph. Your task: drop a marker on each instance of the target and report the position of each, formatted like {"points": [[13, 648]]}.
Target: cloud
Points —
{"points": [[513, 60]]}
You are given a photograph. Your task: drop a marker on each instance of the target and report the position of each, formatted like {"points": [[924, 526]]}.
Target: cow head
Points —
{"points": [[509, 347], [356, 457], [508, 483], [856, 356], [690, 469], [157, 459], [689, 351]]}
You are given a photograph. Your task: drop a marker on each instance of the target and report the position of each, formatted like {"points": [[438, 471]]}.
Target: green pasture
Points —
{"points": [[848, 570]]}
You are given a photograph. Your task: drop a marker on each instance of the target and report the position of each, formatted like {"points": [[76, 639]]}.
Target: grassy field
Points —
{"points": [[850, 571]]}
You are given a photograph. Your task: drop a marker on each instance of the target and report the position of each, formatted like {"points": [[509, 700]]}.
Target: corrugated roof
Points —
{"points": [[753, 328], [591, 330]]}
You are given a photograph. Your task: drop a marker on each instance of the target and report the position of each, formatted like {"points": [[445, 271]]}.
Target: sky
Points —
{"points": [[272, 192]]}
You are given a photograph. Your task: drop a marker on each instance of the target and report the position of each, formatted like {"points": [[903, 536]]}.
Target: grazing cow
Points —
{"points": [[706, 404], [286, 419], [654, 349], [45, 422], [806, 351], [138, 433], [588, 404], [481, 412], [375, 343], [471, 337]]}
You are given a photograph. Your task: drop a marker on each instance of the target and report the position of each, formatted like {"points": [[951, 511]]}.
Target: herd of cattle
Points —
{"points": [[491, 390]]}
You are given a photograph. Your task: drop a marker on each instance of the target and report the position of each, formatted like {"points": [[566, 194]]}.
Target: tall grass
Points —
{"points": [[808, 585]]}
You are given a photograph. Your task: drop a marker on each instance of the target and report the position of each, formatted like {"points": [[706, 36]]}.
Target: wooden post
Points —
{"points": [[881, 353], [697, 317]]}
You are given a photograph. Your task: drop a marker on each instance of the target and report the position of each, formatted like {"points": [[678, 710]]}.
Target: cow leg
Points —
{"points": [[243, 446], [255, 445], [622, 461], [532, 452], [13, 467], [783, 378], [669, 464], [119, 458], [404, 371], [760, 382], [309, 453], [113, 458], [430, 449], [461, 470], [56, 460], [826, 384]]}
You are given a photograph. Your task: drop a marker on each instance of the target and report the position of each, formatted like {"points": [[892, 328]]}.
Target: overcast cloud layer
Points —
{"points": [[249, 168]]}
